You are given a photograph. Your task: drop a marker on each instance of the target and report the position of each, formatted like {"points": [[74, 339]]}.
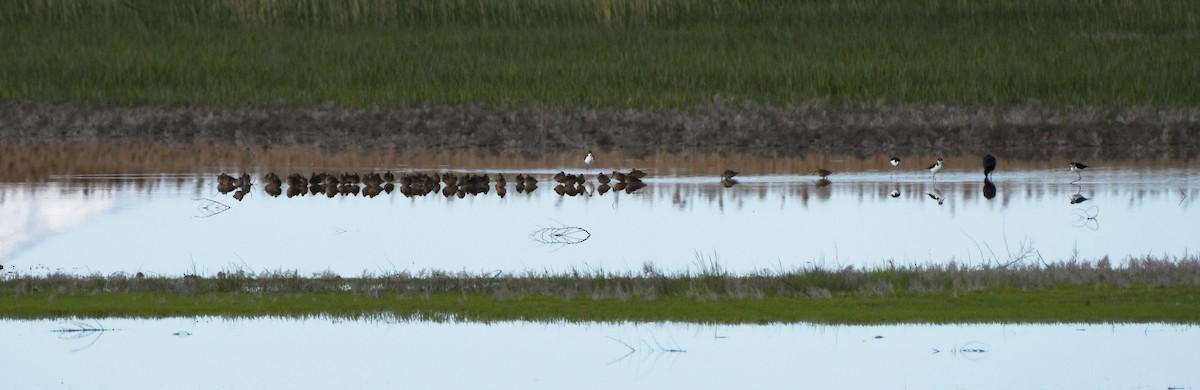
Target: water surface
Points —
{"points": [[333, 353], [777, 216]]}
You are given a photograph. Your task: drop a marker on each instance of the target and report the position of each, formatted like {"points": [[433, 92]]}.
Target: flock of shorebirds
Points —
{"points": [[420, 184], [450, 184]]}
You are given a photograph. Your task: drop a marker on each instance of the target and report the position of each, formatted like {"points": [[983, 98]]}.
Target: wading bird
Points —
{"points": [[937, 166], [588, 160], [895, 161], [1077, 167], [823, 173], [989, 165]]}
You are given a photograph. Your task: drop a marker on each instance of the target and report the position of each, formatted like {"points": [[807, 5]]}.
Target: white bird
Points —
{"points": [[895, 161], [937, 166], [589, 160]]}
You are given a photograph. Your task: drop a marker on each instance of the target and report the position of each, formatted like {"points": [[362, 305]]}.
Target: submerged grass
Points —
{"points": [[1140, 291], [624, 53]]}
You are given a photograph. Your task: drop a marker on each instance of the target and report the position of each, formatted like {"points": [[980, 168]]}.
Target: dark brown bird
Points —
{"points": [[372, 179], [823, 173], [728, 174], [989, 165]]}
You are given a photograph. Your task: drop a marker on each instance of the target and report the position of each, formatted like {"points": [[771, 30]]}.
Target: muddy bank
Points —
{"points": [[1017, 131]]}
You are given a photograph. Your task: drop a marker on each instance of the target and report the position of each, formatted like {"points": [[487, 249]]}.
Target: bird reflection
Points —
{"points": [[895, 192], [822, 182], [936, 194], [727, 183], [989, 189], [1078, 198], [1087, 218]]}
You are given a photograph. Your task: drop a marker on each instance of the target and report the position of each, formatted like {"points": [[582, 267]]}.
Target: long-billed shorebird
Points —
{"points": [[937, 166], [823, 173]]}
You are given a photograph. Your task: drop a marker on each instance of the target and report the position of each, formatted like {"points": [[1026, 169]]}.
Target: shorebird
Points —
{"points": [[728, 174], [937, 166], [822, 173], [1078, 198], [1077, 167], [989, 165], [588, 160], [895, 161]]}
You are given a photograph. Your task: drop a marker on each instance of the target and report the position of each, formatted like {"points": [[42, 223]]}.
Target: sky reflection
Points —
{"points": [[157, 224], [325, 353]]}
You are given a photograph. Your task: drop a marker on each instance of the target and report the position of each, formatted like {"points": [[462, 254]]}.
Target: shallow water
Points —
{"points": [[214, 353], [778, 216]]}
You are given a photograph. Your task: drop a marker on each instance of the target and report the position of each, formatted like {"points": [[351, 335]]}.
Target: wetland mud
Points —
{"points": [[1025, 131]]}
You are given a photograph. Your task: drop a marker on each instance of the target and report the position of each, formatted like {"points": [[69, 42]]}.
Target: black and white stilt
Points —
{"points": [[588, 160], [937, 166], [1077, 167]]}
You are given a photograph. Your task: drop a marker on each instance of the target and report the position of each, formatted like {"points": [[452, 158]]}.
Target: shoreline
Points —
{"points": [[1026, 131], [1134, 290]]}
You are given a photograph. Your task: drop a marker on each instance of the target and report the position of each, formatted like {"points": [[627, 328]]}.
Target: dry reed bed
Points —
{"points": [[1020, 131], [707, 282]]}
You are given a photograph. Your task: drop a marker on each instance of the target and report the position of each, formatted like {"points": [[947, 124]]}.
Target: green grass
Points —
{"points": [[624, 53], [1144, 290], [1076, 304]]}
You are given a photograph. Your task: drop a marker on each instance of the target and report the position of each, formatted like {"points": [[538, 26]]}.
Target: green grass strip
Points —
{"points": [[1078, 304], [625, 53], [1138, 290]]}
